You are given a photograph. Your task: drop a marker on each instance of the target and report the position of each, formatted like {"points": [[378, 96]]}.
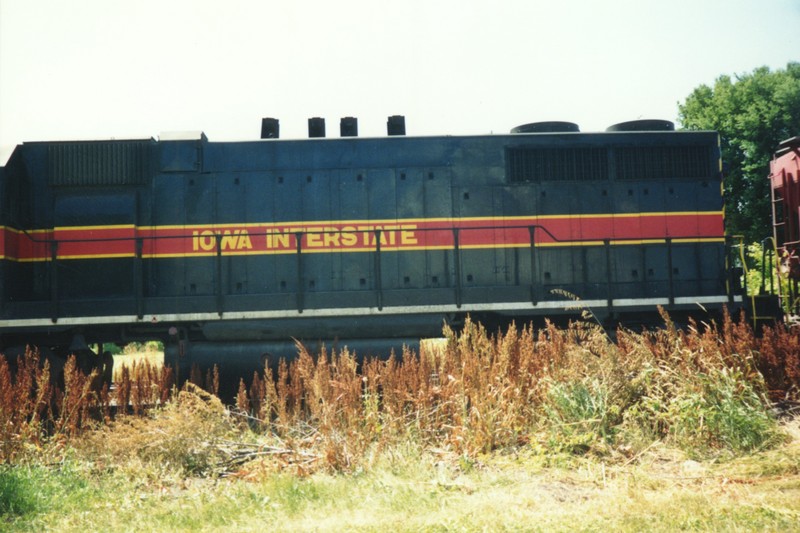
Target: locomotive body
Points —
{"points": [[236, 248]]}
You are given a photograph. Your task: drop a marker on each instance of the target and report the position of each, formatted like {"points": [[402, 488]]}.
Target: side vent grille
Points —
{"points": [[538, 164], [99, 163], [557, 164], [663, 162]]}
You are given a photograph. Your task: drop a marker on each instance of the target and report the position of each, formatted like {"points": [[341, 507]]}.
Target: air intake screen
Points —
{"points": [[663, 162], [557, 164], [99, 163]]}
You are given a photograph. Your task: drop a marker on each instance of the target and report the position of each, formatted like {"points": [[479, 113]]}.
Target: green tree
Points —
{"points": [[753, 112]]}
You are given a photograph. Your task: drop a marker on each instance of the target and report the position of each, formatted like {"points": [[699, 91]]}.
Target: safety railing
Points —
{"points": [[458, 238]]}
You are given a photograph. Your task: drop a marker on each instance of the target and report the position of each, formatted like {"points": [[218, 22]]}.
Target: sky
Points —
{"points": [[102, 69]]}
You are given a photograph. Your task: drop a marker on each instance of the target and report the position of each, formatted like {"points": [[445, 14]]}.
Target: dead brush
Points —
{"points": [[73, 406], [779, 362], [186, 436], [324, 393], [36, 407], [414, 397], [25, 403], [479, 393], [491, 385]]}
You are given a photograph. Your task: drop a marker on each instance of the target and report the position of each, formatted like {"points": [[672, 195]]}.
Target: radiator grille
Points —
{"points": [[558, 164], [99, 163], [663, 162], [536, 164]]}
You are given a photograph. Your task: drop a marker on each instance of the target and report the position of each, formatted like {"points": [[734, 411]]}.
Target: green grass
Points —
{"points": [[408, 489], [31, 495]]}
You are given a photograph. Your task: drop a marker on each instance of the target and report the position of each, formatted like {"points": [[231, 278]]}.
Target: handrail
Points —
{"points": [[377, 231], [351, 230], [745, 271]]}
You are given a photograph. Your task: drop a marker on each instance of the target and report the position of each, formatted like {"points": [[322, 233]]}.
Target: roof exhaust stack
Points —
{"points": [[270, 128], [348, 127], [643, 125], [396, 125], [316, 127], [552, 126]]}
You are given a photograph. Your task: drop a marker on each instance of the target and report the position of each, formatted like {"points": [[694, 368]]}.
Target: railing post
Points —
{"points": [[457, 259], [609, 276], [534, 277], [138, 281], [772, 266], [729, 263], [669, 272], [54, 281], [219, 274], [299, 242], [763, 286], [378, 269]]}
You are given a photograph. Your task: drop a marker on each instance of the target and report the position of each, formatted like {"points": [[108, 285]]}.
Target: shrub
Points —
{"points": [[579, 415], [721, 412], [187, 436]]}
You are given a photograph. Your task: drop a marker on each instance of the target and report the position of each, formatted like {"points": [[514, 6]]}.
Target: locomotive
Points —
{"points": [[230, 252]]}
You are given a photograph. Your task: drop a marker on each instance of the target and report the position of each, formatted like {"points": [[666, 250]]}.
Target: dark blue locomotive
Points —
{"points": [[230, 250]]}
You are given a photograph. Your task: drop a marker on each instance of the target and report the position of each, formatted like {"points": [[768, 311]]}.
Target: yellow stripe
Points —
{"points": [[170, 256], [77, 228], [707, 239], [29, 232], [70, 257], [394, 221], [98, 256], [66, 228]]}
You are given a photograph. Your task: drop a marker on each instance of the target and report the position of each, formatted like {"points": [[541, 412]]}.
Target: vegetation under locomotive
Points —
{"points": [[229, 250]]}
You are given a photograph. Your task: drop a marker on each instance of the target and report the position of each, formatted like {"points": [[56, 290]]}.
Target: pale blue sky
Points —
{"points": [[98, 69]]}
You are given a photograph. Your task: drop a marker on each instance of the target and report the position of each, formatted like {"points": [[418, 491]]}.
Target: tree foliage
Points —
{"points": [[753, 112]]}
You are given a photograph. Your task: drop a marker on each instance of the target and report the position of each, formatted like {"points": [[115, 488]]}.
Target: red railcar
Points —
{"points": [[784, 179]]}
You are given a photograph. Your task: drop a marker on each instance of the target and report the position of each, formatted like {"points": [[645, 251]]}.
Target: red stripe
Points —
{"points": [[77, 242], [25, 247], [101, 242]]}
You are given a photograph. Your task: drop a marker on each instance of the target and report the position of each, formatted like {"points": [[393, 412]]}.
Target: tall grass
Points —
{"points": [[702, 389], [707, 389], [38, 407]]}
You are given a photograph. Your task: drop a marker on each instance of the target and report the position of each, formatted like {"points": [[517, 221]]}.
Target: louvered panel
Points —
{"points": [[663, 162], [99, 163], [557, 164]]}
